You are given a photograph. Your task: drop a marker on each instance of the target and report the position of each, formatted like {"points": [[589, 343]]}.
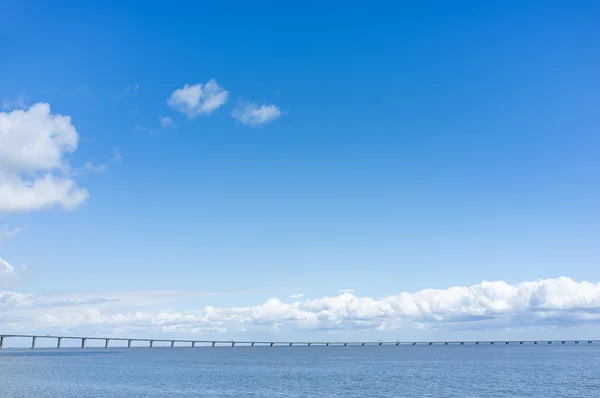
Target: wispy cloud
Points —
{"points": [[296, 295], [346, 291], [18, 103], [198, 99], [8, 233], [254, 115], [166, 122], [10, 276]]}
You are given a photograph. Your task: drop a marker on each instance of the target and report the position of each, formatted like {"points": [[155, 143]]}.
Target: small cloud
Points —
{"points": [[254, 115], [198, 99], [346, 291], [296, 295], [18, 103], [166, 122], [7, 233], [88, 168], [116, 155], [10, 275], [138, 128]]}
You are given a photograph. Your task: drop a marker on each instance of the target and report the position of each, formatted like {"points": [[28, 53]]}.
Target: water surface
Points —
{"points": [[405, 371]]}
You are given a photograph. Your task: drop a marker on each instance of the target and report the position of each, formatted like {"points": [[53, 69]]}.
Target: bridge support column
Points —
{"points": [[172, 344], [308, 345], [1, 342], [213, 343], [128, 343], [326, 344], [58, 341], [233, 343], [106, 343], [272, 344], [33, 341], [252, 345], [193, 344], [83, 343], [345, 344], [291, 344], [151, 343]]}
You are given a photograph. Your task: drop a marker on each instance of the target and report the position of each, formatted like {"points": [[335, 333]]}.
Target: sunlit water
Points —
{"points": [[405, 371]]}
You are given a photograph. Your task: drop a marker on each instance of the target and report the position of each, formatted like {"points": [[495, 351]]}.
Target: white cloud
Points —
{"points": [[33, 171], [492, 306], [7, 233], [254, 115], [346, 291], [166, 122], [296, 295], [198, 99], [10, 275]]}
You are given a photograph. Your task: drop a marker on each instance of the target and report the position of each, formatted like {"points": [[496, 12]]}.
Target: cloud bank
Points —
{"points": [[489, 305], [33, 171], [198, 99]]}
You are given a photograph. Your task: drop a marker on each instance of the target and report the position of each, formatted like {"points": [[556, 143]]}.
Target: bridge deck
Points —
{"points": [[214, 343]]}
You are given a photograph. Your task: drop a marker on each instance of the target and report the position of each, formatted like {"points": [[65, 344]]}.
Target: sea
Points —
{"points": [[335, 371]]}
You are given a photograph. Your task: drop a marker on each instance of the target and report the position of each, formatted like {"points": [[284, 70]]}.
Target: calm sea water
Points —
{"points": [[409, 371]]}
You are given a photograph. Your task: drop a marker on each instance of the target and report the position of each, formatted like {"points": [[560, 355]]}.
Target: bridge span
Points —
{"points": [[150, 343]]}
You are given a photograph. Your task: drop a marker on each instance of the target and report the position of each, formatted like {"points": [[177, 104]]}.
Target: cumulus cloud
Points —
{"points": [[491, 305], [198, 99], [33, 171], [254, 115]]}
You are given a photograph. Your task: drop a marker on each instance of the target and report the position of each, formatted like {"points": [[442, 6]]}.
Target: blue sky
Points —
{"points": [[413, 146]]}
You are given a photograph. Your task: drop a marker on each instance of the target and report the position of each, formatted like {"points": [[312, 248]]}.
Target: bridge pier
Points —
{"points": [[58, 341], [172, 344], [252, 345], [308, 345], [291, 344], [363, 344], [193, 344], [106, 343], [33, 341], [272, 344], [345, 344], [151, 343], [326, 344], [83, 343], [1, 342], [462, 343], [233, 343], [213, 343], [129, 344]]}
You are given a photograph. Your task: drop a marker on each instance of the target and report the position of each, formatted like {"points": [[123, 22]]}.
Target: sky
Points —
{"points": [[233, 169]]}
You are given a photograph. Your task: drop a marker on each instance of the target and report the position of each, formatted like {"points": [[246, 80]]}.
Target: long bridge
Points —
{"points": [[150, 343]]}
